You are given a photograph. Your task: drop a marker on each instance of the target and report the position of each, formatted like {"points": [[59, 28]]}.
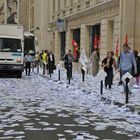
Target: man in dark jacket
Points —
{"points": [[68, 59], [51, 62]]}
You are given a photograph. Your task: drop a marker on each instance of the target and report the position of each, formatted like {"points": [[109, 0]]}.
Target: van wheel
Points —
{"points": [[19, 75]]}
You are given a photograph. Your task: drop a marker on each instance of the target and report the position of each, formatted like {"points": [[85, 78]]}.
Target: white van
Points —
{"points": [[12, 49]]}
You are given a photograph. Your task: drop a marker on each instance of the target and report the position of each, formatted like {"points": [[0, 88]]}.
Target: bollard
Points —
{"points": [[59, 75], [101, 91], [50, 74], [83, 75], [126, 90]]}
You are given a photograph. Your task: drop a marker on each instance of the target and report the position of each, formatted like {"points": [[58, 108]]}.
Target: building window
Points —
{"points": [[76, 38], [94, 36]]}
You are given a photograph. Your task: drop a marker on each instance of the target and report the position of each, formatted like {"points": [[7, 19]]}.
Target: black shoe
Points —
{"points": [[120, 83], [109, 86]]}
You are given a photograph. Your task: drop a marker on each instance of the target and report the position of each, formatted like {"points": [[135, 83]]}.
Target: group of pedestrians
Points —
{"points": [[128, 61], [46, 60]]}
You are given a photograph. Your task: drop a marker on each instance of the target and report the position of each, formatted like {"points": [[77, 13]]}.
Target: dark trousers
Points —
{"points": [[28, 68], [109, 78], [69, 70], [51, 65]]}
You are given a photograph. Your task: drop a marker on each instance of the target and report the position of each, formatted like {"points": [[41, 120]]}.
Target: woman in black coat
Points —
{"points": [[107, 64]]}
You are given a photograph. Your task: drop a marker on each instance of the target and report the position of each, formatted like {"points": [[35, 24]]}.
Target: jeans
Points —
{"points": [[124, 72], [28, 68]]}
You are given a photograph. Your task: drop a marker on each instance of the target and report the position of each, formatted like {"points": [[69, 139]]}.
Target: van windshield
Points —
{"points": [[10, 45]]}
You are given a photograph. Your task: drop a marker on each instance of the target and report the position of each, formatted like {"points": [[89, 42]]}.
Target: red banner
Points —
{"points": [[75, 48], [117, 48], [126, 40]]}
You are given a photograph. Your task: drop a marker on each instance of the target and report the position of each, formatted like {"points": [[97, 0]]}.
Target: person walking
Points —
{"points": [[95, 58], [137, 75], [68, 59], [51, 62], [28, 60], [40, 57], [37, 60], [108, 64], [45, 61], [127, 61]]}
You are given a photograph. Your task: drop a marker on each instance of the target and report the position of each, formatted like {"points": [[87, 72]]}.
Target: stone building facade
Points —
{"points": [[1, 11], [111, 20], [9, 11], [32, 14], [57, 22]]}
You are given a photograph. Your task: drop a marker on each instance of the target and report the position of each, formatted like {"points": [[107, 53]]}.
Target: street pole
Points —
{"points": [[59, 75], [126, 90], [101, 91], [83, 75]]}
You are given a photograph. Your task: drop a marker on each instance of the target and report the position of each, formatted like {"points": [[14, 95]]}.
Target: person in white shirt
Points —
{"points": [[28, 60]]}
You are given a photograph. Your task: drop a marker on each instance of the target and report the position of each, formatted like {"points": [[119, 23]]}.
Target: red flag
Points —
{"points": [[75, 46], [126, 40], [117, 48], [95, 42], [99, 42]]}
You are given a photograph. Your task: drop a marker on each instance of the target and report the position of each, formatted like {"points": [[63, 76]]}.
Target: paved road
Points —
{"points": [[36, 108]]}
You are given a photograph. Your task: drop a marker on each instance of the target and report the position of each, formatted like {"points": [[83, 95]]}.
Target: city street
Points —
{"points": [[40, 107], [91, 47]]}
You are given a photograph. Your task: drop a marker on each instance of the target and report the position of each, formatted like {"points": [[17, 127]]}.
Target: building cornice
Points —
{"points": [[90, 10], [102, 10]]}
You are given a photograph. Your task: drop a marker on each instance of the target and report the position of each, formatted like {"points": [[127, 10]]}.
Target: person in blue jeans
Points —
{"points": [[127, 61]]}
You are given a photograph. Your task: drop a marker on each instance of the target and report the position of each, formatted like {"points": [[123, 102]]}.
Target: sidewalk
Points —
{"points": [[91, 85]]}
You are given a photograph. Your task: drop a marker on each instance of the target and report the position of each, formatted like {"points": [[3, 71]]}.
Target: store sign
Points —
{"points": [[60, 24]]}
